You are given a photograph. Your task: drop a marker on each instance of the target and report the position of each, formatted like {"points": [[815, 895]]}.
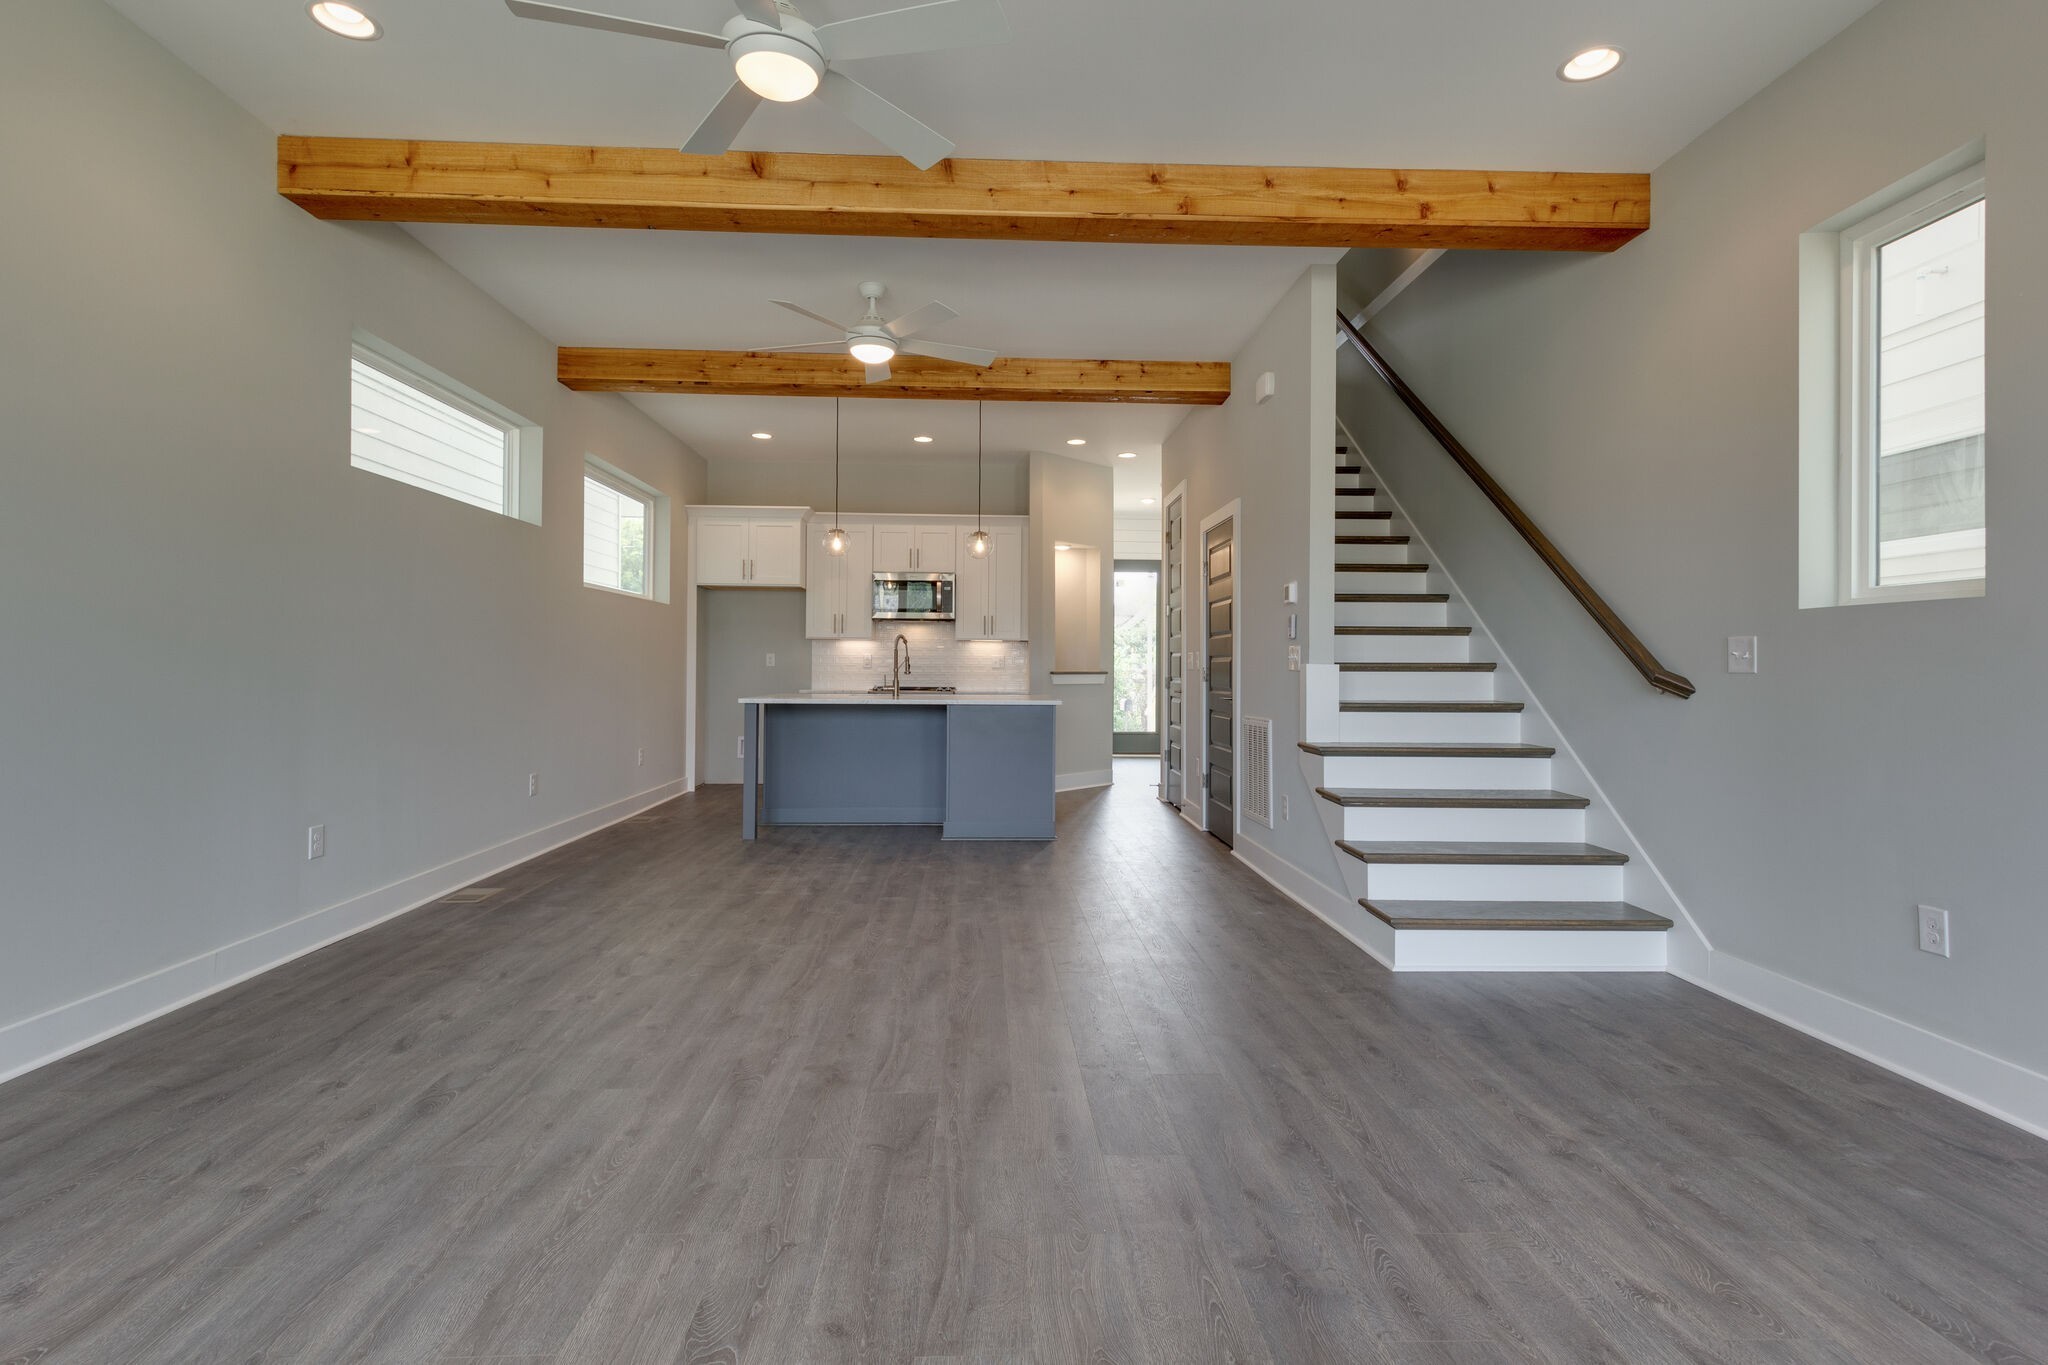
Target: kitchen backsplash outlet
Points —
{"points": [[936, 659]]}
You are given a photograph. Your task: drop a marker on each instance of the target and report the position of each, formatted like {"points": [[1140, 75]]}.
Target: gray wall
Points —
{"points": [[216, 632], [738, 628], [1643, 408], [938, 486], [1278, 457]]}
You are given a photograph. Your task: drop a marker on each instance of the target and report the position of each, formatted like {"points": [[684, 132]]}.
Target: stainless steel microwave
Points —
{"points": [[913, 596]]}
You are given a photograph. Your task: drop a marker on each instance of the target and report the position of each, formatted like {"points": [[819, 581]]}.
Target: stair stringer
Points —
{"points": [[1684, 947]]}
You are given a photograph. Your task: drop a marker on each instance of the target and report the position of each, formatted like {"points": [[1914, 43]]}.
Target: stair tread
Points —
{"points": [[1483, 854], [1368, 749], [1515, 915], [1350, 469], [1404, 630], [1360, 492], [1378, 540], [1422, 707], [1419, 598], [1348, 514], [1383, 568], [1485, 666], [1451, 798]]}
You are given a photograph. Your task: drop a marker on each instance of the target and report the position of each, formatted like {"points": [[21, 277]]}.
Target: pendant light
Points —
{"points": [[835, 539], [977, 544]]}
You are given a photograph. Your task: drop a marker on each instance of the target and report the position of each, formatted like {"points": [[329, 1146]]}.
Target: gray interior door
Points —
{"points": [[1220, 690], [1175, 629]]}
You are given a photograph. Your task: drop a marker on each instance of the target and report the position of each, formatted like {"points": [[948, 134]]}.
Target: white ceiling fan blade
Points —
{"points": [[612, 23], [917, 320], [760, 11], [838, 346], [814, 317], [959, 355], [715, 134], [890, 126], [878, 373], [921, 28]]}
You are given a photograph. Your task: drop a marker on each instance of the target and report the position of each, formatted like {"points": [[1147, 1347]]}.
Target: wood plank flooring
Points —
{"points": [[860, 1096]]}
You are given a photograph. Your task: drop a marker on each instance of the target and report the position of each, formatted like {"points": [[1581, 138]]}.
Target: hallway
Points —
{"points": [[860, 1095]]}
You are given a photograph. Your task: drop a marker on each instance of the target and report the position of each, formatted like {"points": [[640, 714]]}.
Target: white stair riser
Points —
{"points": [[1372, 580], [1486, 882], [1373, 554], [1425, 824], [1522, 774], [1392, 614], [1407, 649], [1429, 727], [1415, 686], [1528, 950]]}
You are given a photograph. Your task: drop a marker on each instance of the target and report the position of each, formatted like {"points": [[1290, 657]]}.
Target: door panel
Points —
{"points": [[1176, 656], [1006, 582], [893, 544], [721, 550], [1220, 698], [937, 548], [778, 553]]}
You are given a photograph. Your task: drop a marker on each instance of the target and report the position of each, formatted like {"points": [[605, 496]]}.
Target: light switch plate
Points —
{"points": [[1294, 658], [1742, 654], [316, 842], [1934, 931]]}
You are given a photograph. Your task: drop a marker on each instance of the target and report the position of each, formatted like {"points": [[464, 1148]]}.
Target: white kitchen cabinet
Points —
{"points": [[749, 548], [838, 603], [989, 591], [916, 546]]}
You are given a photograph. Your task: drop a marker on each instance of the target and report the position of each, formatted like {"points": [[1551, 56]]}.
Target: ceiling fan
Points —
{"points": [[778, 56], [874, 343]]}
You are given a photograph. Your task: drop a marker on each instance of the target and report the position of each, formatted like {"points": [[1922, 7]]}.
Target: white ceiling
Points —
{"points": [[1446, 83]]}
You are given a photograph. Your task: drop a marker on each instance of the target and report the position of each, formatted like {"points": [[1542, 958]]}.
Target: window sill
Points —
{"points": [[1917, 592]]}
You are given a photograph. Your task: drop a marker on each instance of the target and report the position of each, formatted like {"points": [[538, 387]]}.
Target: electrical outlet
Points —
{"points": [[533, 784], [639, 758], [1294, 658], [1934, 931], [1742, 654], [771, 661], [1283, 806], [316, 842], [741, 746]]}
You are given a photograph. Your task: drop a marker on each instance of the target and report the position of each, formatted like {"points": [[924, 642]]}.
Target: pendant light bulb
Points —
{"points": [[835, 539], [977, 544]]}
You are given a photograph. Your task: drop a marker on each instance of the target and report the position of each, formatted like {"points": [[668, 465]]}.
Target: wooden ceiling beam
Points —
{"points": [[802, 375], [879, 196]]}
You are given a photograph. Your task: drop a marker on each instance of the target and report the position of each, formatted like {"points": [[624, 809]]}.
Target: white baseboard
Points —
{"points": [[1370, 936], [43, 1038], [2005, 1090], [1073, 782]]}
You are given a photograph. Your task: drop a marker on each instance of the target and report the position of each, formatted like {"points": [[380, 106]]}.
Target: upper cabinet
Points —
{"points": [[989, 591], [748, 547], [838, 601], [916, 547]]}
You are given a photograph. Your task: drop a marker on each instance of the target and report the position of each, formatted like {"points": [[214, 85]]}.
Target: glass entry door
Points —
{"points": [[1134, 659], [1173, 783]]}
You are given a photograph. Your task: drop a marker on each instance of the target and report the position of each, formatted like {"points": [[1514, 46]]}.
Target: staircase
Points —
{"points": [[1453, 840]]}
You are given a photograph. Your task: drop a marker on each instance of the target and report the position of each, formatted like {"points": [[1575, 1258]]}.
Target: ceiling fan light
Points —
{"points": [[776, 66], [872, 351]]}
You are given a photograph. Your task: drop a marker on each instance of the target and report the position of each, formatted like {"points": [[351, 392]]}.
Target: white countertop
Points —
{"points": [[907, 699]]}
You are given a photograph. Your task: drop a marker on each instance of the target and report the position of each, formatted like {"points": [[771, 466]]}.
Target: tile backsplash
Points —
{"points": [[936, 660]]}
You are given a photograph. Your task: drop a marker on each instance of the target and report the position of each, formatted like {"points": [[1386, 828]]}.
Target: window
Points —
{"points": [[1134, 672], [424, 430], [1912, 392], [615, 524]]}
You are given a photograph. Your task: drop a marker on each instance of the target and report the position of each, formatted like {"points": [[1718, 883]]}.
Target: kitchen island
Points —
{"points": [[978, 765]]}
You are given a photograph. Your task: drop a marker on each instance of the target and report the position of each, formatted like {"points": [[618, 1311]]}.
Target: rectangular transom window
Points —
{"points": [[1913, 395], [412, 428], [618, 534]]}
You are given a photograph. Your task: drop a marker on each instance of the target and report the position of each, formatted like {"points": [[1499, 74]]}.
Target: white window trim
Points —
{"points": [[619, 481], [522, 493], [1858, 388]]}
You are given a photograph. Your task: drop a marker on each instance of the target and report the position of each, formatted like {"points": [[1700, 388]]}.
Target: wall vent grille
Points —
{"points": [[1258, 770]]}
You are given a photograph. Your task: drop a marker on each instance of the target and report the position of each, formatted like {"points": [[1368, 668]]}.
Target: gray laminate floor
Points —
{"points": [[861, 1096]]}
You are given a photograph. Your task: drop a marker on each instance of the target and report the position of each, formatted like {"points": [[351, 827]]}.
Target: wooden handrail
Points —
{"points": [[1638, 653]]}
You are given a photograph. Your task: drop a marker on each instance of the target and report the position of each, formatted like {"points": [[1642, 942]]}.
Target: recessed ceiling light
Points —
{"points": [[922, 440], [1127, 454], [764, 435], [1591, 64], [1076, 441], [1146, 502], [346, 20], [1060, 545]]}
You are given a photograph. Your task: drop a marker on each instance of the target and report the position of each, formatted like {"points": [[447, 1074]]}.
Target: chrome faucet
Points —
{"points": [[899, 664]]}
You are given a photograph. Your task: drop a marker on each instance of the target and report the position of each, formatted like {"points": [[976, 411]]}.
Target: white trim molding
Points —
{"points": [[1081, 781], [27, 1044], [2005, 1090]]}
